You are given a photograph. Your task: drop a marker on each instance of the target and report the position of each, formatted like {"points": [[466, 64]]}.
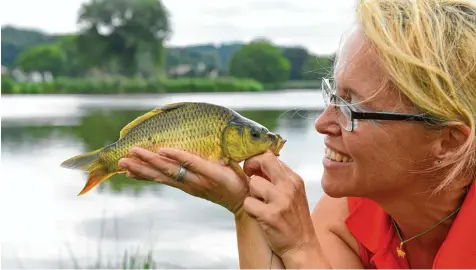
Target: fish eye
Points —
{"points": [[254, 134]]}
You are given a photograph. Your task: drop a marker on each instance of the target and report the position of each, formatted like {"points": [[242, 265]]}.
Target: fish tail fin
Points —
{"points": [[97, 175], [89, 162]]}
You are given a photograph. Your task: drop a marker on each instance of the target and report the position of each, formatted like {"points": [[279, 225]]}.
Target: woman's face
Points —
{"points": [[378, 157]]}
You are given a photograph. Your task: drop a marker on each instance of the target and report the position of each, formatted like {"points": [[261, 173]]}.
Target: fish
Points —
{"points": [[210, 131]]}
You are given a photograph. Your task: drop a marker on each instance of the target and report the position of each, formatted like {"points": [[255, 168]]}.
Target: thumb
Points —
{"points": [[252, 168]]}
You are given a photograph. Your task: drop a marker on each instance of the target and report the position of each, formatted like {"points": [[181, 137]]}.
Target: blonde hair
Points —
{"points": [[428, 49]]}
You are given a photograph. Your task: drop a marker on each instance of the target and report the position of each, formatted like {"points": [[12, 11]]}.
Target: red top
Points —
{"points": [[374, 231]]}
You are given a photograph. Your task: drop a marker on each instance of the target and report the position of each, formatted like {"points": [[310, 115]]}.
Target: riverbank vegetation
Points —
{"points": [[122, 85], [115, 53]]}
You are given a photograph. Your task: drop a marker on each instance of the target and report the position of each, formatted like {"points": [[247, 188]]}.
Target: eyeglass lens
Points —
{"points": [[342, 109]]}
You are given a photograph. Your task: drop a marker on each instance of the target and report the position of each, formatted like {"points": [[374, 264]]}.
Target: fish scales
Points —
{"points": [[197, 130]]}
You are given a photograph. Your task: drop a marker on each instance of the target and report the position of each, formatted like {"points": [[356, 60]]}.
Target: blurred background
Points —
{"points": [[75, 72]]}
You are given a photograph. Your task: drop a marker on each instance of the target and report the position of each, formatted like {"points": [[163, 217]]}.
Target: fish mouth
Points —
{"points": [[278, 143]]}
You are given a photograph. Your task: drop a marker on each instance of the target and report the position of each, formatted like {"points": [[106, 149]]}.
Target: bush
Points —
{"points": [[7, 84], [130, 86]]}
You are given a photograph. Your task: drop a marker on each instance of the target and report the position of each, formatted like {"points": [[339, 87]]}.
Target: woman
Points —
{"points": [[400, 162]]}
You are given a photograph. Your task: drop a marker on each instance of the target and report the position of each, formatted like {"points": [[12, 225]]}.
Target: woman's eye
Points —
{"points": [[354, 100]]}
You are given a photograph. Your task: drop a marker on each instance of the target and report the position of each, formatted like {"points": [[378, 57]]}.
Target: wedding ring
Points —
{"points": [[181, 174]]}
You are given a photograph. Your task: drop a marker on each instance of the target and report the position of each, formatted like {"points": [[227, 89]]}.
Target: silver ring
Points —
{"points": [[181, 174]]}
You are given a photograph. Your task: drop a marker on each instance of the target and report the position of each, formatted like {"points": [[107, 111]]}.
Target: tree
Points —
{"points": [[297, 56], [16, 40], [121, 32], [260, 60], [76, 64], [61, 58], [42, 58]]}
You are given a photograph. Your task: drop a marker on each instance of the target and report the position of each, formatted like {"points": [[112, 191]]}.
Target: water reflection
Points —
{"points": [[122, 214], [101, 127]]}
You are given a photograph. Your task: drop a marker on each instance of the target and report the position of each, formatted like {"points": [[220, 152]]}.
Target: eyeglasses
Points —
{"points": [[348, 117]]}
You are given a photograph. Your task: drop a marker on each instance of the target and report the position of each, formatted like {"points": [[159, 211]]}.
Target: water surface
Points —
{"points": [[46, 225]]}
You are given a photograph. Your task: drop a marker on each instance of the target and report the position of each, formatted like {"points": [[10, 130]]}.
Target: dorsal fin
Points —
{"points": [[148, 115]]}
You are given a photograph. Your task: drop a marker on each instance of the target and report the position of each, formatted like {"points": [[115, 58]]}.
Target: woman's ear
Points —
{"points": [[451, 139]]}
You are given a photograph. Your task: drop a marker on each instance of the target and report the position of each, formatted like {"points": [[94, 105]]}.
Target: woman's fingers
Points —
{"points": [[136, 177], [254, 207], [269, 165], [138, 169], [190, 161], [276, 171], [166, 166], [252, 167], [262, 189], [144, 171], [129, 174], [249, 171]]}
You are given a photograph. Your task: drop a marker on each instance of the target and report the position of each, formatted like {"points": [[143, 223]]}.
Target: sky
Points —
{"points": [[315, 24]]}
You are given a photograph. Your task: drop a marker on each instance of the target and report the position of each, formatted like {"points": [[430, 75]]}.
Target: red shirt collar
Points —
{"points": [[373, 228]]}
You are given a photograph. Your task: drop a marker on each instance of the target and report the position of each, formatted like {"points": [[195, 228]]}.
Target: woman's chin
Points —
{"points": [[336, 186]]}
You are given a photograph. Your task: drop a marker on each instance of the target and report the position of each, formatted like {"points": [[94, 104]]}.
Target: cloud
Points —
{"points": [[302, 22], [277, 5]]}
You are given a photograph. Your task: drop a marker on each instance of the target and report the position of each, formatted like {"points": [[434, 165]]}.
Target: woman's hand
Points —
{"points": [[280, 206], [204, 179]]}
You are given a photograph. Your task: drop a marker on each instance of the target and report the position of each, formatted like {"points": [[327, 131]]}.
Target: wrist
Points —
{"points": [[306, 256], [239, 210], [240, 213]]}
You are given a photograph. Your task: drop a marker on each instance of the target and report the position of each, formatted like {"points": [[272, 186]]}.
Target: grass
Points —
{"points": [[129, 260]]}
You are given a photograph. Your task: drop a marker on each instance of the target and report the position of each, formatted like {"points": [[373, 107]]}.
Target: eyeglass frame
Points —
{"points": [[355, 115]]}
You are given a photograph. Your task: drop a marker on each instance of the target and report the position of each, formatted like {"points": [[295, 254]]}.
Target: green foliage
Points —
{"points": [[89, 56], [60, 57], [262, 61], [297, 56], [76, 63], [121, 85], [124, 31], [178, 56], [218, 56], [90, 60], [42, 58], [134, 262], [15, 40], [7, 84]]}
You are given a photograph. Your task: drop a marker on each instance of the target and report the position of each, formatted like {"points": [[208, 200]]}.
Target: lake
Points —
{"points": [[46, 225]]}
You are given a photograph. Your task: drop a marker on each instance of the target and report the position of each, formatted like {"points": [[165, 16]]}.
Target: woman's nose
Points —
{"points": [[326, 122]]}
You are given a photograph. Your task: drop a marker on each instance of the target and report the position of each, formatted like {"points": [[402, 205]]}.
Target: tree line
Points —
{"points": [[125, 38]]}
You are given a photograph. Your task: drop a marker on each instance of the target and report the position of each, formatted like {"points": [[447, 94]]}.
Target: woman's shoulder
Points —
{"points": [[335, 210], [331, 214], [329, 219]]}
